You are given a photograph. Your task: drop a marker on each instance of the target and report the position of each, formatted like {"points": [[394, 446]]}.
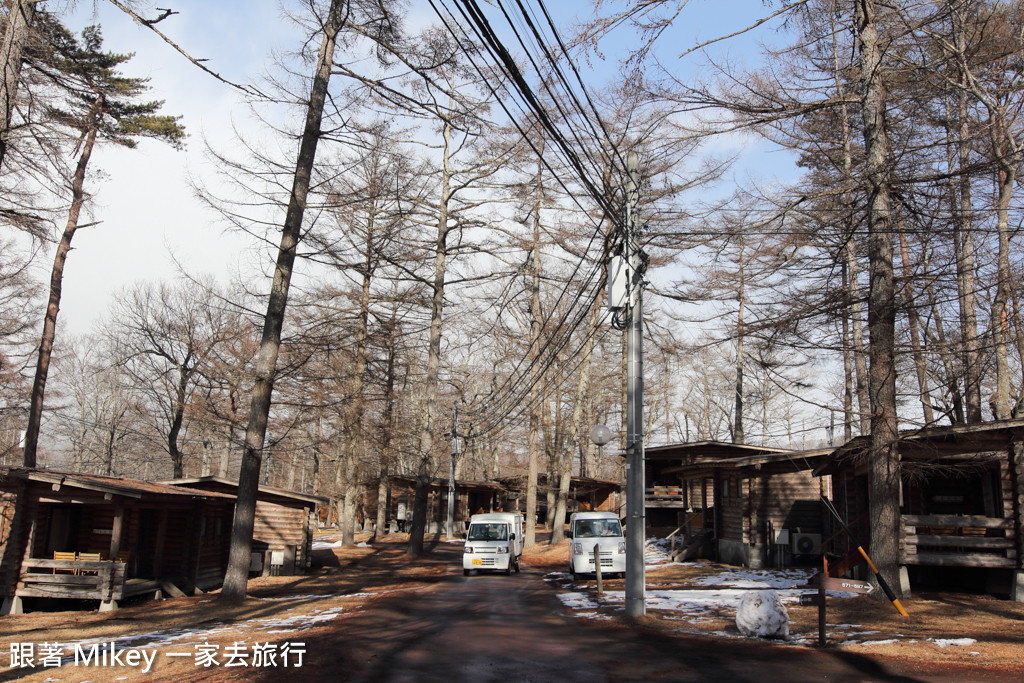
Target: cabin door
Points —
{"points": [[62, 535]]}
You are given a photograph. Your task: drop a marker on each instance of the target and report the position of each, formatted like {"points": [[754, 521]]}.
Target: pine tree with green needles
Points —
{"points": [[95, 103]]}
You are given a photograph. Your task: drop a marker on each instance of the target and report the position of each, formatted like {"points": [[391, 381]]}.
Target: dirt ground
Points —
{"points": [[348, 580], [878, 629]]}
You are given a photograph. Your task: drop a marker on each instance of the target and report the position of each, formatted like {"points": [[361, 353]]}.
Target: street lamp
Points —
{"points": [[600, 435]]}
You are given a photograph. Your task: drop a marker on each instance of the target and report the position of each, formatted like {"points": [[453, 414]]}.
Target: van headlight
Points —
{"points": [[622, 547], [577, 548], [468, 549], [503, 549]]}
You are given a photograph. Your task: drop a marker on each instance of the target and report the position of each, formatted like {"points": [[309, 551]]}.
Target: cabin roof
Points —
{"points": [[768, 463], [459, 483], [933, 445], [119, 486], [213, 481], [709, 450], [579, 484]]}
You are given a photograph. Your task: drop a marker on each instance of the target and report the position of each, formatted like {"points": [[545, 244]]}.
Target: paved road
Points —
{"points": [[500, 628]]}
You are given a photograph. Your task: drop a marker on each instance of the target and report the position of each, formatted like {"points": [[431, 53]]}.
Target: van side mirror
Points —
{"points": [[513, 536], [568, 534]]}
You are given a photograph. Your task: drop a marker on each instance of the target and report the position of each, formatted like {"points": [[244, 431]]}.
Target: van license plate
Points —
{"points": [[477, 560]]}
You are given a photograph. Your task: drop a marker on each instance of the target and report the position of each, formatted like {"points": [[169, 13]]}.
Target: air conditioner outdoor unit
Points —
{"points": [[806, 544]]}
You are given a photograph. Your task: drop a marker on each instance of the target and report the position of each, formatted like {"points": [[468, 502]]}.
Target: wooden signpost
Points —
{"points": [[823, 583]]}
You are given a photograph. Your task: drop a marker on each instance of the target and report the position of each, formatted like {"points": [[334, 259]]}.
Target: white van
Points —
{"points": [[587, 529], [494, 541]]}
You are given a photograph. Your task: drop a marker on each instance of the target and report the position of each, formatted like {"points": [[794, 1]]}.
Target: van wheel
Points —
{"points": [[508, 569], [465, 572], [517, 565]]}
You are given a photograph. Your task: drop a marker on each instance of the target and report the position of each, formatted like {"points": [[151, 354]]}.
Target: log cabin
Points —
{"points": [[585, 494], [71, 536], [470, 497], [961, 506], [752, 506], [284, 525]]}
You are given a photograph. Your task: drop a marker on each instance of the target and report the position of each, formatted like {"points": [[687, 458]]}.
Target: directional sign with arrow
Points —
{"points": [[842, 585]]}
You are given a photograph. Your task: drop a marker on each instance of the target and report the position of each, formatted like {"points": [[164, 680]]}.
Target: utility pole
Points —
{"points": [[451, 473], [635, 523]]}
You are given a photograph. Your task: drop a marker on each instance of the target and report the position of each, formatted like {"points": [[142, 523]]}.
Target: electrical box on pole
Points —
{"points": [[618, 283]]}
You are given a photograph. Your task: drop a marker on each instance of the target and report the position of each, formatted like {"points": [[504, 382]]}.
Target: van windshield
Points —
{"points": [[488, 532], [594, 528]]}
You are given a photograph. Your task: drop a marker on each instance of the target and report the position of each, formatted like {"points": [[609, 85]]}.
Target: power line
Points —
{"points": [[483, 30]]}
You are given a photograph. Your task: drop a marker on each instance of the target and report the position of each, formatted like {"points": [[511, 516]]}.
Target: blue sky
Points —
{"points": [[145, 203]]}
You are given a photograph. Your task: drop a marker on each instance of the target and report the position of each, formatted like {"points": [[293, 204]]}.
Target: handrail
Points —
{"points": [[959, 521]]}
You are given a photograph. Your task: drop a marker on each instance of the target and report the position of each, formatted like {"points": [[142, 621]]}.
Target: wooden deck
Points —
{"points": [[79, 580], [665, 497], [958, 541]]}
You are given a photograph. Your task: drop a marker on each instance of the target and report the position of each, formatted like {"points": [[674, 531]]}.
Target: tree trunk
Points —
{"points": [[885, 465], [1016, 474], [914, 323], [1000, 308], [857, 332], [35, 411], [236, 579], [350, 485], [556, 458], [19, 22], [533, 437], [577, 429], [850, 315], [425, 470], [381, 521], [963, 252], [956, 414], [848, 378], [225, 453], [1018, 338], [737, 431], [354, 409], [387, 424], [177, 420]]}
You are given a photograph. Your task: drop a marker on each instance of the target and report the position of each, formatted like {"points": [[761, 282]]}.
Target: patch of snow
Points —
{"points": [[592, 615], [577, 601], [656, 552], [715, 596], [890, 641], [953, 642], [305, 596], [300, 622], [758, 578]]}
